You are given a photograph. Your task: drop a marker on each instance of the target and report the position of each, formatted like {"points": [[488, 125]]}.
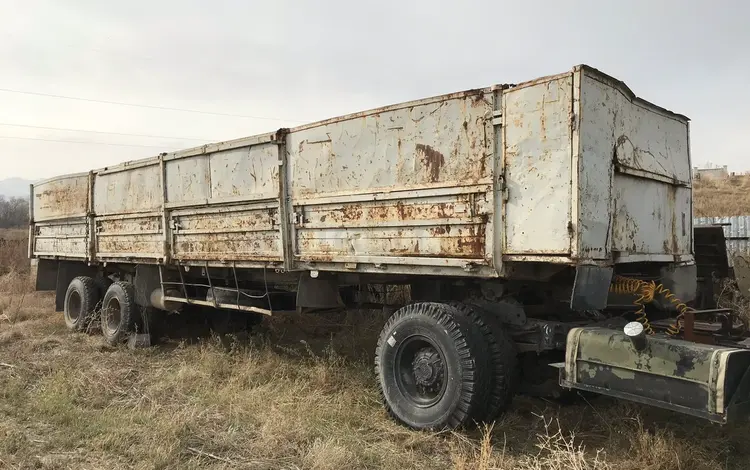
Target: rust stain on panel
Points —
{"points": [[352, 212], [213, 246], [472, 244], [432, 160], [460, 241], [60, 198], [141, 245], [129, 225], [251, 220], [389, 211]]}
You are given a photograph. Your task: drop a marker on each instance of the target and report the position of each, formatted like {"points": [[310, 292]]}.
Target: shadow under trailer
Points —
{"points": [[542, 231]]}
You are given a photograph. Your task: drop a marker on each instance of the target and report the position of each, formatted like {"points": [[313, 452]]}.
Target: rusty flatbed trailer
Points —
{"points": [[506, 210]]}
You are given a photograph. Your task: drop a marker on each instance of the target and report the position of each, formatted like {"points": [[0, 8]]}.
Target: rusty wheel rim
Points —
{"points": [[421, 374], [74, 307], [112, 316]]}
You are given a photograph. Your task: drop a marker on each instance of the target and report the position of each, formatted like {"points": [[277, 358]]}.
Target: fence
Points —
{"points": [[736, 232]]}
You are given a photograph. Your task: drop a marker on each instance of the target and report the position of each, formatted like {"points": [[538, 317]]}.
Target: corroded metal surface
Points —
{"points": [[247, 172], [129, 191], [422, 149], [66, 239], [448, 226], [244, 233], [634, 187], [61, 198], [538, 167], [693, 378], [442, 143], [566, 169], [130, 237]]}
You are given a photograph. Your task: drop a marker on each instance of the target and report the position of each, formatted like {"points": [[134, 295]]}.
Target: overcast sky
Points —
{"points": [[293, 62]]}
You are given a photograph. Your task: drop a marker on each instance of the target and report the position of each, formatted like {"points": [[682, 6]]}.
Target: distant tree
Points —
{"points": [[14, 212]]}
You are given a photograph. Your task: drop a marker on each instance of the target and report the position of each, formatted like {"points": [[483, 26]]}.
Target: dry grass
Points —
{"points": [[68, 401], [13, 250], [299, 394], [722, 197]]}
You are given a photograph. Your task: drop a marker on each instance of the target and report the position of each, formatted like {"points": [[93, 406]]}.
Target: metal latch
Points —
{"points": [[503, 187], [296, 218]]}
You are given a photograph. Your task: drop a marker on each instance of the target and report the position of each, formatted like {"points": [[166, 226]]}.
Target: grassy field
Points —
{"points": [[722, 198], [298, 394]]}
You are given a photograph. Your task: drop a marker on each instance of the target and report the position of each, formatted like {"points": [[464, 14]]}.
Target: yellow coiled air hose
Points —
{"points": [[646, 292]]}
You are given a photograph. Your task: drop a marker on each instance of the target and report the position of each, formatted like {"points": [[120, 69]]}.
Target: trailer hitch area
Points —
{"points": [[702, 380]]}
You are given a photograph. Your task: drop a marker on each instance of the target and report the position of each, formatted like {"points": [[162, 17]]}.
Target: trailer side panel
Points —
{"points": [[410, 185], [538, 173], [635, 176], [60, 208]]}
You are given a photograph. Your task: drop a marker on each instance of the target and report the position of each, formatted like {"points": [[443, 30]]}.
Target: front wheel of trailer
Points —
{"points": [[432, 366]]}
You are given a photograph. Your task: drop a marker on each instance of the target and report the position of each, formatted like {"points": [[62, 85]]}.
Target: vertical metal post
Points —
{"points": [[285, 208], [161, 282], [31, 221], [236, 283], [499, 187], [91, 220], [575, 144], [182, 280], [166, 242], [211, 286]]}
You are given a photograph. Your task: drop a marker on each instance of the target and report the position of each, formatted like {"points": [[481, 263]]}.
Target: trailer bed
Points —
{"points": [[569, 169]]}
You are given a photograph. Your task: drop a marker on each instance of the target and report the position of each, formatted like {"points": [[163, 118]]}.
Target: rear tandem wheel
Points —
{"points": [[119, 312], [80, 303]]}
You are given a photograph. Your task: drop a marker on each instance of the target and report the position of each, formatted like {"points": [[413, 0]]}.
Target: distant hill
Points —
{"points": [[15, 187]]}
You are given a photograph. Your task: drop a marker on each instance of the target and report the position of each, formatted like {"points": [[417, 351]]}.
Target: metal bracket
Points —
{"points": [[503, 187], [296, 218], [471, 267], [497, 118]]}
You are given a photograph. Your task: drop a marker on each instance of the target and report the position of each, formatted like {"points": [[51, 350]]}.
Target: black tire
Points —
{"points": [[81, 299], [102, 284], [503, 359], [119, 312], [433, 368]]}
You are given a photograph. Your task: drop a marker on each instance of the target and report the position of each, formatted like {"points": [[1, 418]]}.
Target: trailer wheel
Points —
{"points": [[432, 366], [119, 312], [80, 303], [503, 357], [102, 284]]}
